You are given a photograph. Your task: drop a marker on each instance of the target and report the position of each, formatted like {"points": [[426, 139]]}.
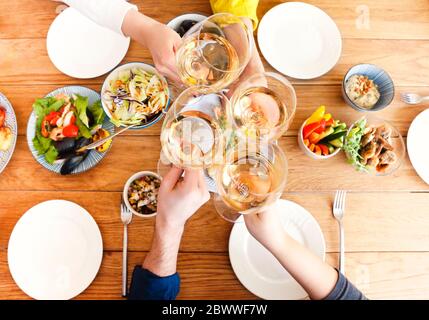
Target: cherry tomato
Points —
{"points": [[71, 131], [2, 116]]}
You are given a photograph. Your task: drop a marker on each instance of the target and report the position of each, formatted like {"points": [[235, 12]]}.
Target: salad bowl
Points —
{"points": [[131, 103], [92, 158], [374, 146]]}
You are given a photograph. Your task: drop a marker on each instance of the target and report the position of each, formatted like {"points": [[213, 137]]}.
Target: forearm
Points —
{"points": [[106, 13], [137, 26], [316, 277], [162, 257]]}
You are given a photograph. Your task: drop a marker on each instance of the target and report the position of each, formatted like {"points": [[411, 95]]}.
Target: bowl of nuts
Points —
{"points": [[141, 193]]}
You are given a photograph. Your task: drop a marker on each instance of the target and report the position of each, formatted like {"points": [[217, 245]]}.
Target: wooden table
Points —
{"points": [[387, 218]]}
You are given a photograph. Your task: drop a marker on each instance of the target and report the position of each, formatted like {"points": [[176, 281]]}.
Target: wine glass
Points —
{"points": [[214, 52], [263, 106], [252, 178], [193, 131]]}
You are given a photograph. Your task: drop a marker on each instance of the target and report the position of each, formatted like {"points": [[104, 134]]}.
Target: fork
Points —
{"points": [[338, 211], [413, 98], [126, 217]]}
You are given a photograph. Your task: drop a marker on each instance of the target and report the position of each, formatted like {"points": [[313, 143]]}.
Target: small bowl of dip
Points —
{"points": [[367, 87]]}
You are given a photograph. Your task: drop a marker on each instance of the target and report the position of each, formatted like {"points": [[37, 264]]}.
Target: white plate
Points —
{"points": [[258, 270], [82, 49], [55, 250], [299, 40], [417, 145]]}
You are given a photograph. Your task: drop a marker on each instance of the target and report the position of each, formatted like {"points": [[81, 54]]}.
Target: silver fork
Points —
{"points": [[339, 210], [126, 217], [413, 98]]}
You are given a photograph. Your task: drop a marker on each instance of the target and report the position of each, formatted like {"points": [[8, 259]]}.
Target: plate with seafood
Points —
{"points": [[374, 146], [64, 121], [135, 94], [8, 131]]}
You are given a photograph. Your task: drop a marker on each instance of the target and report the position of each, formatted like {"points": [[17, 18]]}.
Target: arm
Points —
{"points": [[318, 279], [178, 200], [124, 18]]}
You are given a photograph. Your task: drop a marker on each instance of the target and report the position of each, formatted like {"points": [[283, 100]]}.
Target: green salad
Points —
{"points": [[352, 144], [64, 118]]}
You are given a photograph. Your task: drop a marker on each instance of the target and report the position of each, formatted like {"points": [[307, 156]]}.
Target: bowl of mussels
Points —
{"points": [[181, 24]]}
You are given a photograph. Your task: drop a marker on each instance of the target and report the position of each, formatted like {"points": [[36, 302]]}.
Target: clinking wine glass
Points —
{"points": [[263, 106], [214, 52], [252, 178], [192, 134]]}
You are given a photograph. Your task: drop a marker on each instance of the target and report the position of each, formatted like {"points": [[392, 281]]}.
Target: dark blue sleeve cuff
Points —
{"points": [[345, 290], [148, 286]]}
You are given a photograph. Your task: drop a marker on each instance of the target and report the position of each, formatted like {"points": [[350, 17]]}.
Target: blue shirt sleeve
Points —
{"points": [[148, 286], [345, 290]]}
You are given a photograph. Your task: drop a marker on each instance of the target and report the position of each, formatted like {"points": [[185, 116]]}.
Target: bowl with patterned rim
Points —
{"points": [[94, 157]]}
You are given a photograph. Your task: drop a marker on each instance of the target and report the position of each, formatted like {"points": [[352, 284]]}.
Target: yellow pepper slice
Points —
{"points": [[317, 115]]}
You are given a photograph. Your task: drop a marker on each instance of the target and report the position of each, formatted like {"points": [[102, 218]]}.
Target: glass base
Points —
{"points": [[226, 212]]}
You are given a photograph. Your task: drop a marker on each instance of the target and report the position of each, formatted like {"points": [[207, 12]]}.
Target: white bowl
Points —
{"points": [[145, 67], [127, 185], [308, 152], [175, 22]]}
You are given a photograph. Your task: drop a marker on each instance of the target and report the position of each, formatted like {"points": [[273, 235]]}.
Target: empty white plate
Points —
{"points": [[258, 270], [299, 40], [55, 250], [82, 49], [417, 145]]}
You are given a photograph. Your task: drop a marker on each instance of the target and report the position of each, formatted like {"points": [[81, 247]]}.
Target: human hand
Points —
{"points": [[267, 228], [179, 199], [161, 41]]}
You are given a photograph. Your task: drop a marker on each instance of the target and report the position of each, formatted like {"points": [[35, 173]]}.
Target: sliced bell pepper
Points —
{"points": [[317, 150], [306, 142], [325, 149], [316, 116], [317, 127], [327, 116], [314, 137], [311, 147]]}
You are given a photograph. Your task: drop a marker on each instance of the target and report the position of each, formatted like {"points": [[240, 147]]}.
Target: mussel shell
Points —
{"points": [[185, 26], [73, 162], [65, 147]]}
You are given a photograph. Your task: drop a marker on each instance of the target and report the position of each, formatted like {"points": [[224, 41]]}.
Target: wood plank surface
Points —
{"points": [[388, 19], [398, 113], [386, 221], [401, 275], [130, 154], [373, 221], [405, 60]]}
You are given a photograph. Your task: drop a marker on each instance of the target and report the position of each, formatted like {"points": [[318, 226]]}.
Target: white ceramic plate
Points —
{"points": [[82, 49], [417, 145], [55, 250], [299, 40], [256, 267]]}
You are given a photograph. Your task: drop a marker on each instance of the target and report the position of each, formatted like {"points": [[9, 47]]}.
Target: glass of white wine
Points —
{"points": [[252, 178], [193, 131], [263, 106], [214, 52]]}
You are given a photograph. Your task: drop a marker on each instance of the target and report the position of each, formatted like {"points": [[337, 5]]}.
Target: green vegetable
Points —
{"points": [[334, 136], [81, 104], [352, 144], [338, 143], [51, 155], [83, 129], [44, 146], [97, 112]]}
